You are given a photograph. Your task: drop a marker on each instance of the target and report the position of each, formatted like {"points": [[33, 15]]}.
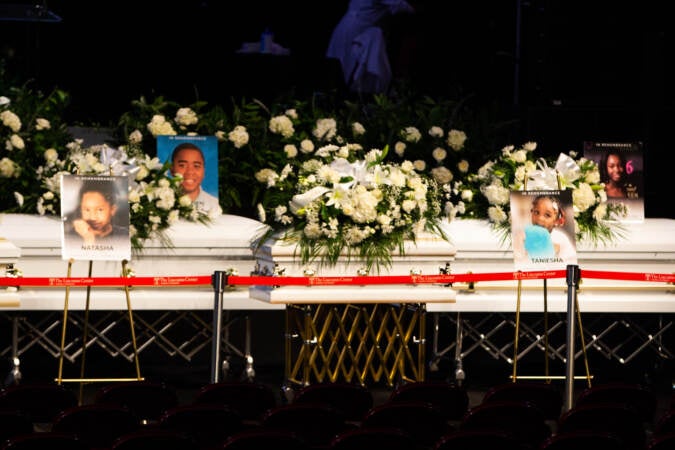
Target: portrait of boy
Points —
{"points": [[195, 160]]}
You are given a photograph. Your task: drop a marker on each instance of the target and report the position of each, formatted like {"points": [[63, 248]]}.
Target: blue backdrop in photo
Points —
{"points": [[209, 146]]}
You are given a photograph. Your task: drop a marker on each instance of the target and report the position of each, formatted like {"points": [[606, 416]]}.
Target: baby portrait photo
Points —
{"points": [[542, 230]]}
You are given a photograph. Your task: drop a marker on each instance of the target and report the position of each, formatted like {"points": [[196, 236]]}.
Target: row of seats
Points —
{"points": [[336, 416]]}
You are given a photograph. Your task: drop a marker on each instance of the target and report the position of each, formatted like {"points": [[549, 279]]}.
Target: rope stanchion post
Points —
{"points": [[572, 280], [218, 282]]}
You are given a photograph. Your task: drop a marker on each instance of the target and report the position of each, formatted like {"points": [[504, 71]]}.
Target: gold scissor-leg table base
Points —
{"points": [[362, 343]]}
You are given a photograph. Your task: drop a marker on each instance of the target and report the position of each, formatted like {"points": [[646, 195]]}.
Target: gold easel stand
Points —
{"points": [[82, 379], [547, 376]]}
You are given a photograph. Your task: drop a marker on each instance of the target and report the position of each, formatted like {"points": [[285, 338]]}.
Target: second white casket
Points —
{"points": [[646, 247], [428, 255]]}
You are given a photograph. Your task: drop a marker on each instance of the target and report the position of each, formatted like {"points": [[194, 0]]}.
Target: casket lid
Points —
{"points": [[427, 255], [426, 245], [650, 239], [226, 232]]}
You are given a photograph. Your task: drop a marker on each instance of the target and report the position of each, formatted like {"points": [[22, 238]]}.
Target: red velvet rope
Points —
{"points": [[236, 280]]}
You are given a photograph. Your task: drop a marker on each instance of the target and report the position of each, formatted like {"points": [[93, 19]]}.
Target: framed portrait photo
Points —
{"points": [[95, 218], [621, 167], [195, 159], [542, 229]]}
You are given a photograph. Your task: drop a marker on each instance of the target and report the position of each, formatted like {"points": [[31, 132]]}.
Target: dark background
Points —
{"points": [[570, 70]]}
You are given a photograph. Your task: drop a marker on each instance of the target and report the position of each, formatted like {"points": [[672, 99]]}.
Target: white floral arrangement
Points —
{"points": [[340, 201], [442, 157], [596, 220], [154, 196]]}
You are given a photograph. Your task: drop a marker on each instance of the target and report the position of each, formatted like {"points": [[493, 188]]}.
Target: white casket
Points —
{"points": [[378, 329], [428, 255], [197, 250], [647, 247]]}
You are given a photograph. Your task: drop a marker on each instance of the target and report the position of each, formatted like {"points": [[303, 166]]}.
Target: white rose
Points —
{"points": [[436, 132], [136, 137], [419, 165], [463, 166], [439, 154], [290, 150], [51, 155], [8, 168], [306, 146], [17, 142], [184, 200], [358, 129], [42, 124]]}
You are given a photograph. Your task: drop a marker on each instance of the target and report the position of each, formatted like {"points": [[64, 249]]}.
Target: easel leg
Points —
{"points": [[59, 377], [515, 339], [131, 321], [583, 341], [85, 336]]}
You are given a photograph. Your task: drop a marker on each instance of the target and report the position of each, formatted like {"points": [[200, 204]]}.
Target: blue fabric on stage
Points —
{"points": [[358, 42]]}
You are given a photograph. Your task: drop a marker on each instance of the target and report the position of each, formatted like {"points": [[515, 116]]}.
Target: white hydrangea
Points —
{"points": [[325, 129], [583, 197], [281, 125], [306, 146], [186, 117], [238, 136], [11, 120], [496, 214], [456, 139], [411, 134], [442, 174], [496, 194], [159, 126]]}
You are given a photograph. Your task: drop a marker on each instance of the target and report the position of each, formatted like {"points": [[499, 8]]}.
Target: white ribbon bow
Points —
{"points": [[119, 163]]}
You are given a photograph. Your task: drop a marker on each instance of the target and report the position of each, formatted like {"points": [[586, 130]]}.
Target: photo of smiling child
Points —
{"points": [[543, 230], [95, 218]]}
